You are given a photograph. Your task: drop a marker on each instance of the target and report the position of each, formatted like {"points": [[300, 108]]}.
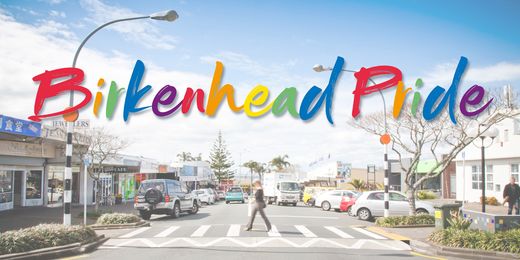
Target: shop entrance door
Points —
{"points": [[18, 188]]}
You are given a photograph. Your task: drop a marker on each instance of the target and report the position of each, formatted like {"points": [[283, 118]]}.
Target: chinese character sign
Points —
{"points": [[20, 127]]}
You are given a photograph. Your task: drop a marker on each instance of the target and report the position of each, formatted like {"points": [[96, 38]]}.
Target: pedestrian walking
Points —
{"points": [[258, 206], [512, 196]]}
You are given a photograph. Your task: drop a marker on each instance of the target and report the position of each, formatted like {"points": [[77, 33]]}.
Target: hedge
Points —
{"points": [[117, 218], [503, 241], [393, 221], [43, 236]]}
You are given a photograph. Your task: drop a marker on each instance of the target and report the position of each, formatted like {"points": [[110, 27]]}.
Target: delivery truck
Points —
{"points": [[281, 188]]}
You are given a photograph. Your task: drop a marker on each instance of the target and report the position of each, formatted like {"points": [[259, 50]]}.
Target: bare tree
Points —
{"points": [[415, 138], [99, 145]]}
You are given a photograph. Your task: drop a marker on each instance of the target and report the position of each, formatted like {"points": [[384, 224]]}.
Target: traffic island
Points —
{"points": [[119, 221], [48, 241]]}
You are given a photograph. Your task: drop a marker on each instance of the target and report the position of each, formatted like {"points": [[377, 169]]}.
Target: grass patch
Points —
{"points": [[43, 236], [393, 221], [503, 241], [117, 218]]}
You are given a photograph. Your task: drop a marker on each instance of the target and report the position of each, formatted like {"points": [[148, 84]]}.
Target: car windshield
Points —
{"points": [[199, 192], [235, 190], [289, 186], [148, 185]]}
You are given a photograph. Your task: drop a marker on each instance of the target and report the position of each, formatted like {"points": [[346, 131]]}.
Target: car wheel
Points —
{"points": [[421, 211], [145, 214], [227, 201], [364, 214], [325, 206], [349, 211], [243, 202], [294, 204], [195, 208], [176, 212]]}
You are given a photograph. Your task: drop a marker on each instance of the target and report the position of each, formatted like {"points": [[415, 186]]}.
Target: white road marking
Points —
{"points": [[305, 231], [338, 232], [167, 231], [233, 231], [274, 232], [295, 216], [201, 231], [135, 232], [368, 233]]}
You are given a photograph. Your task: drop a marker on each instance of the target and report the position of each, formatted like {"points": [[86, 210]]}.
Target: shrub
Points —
{"points": [[117, 218], [426, 195], [490, 201], [43, 236], [503, 241], [393, 221], [458, 222]]}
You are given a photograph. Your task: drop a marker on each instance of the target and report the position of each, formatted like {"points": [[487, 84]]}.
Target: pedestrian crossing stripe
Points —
{"points": [[234, 230]]}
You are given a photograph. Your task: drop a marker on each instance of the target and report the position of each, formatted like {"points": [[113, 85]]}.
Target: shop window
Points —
{"points": [[489, 168], [489, 181], [497, 187], [33, 188], [476, 180], [514, 167], [6, 186]]}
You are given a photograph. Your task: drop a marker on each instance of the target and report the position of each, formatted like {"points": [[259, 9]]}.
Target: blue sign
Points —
{"points": [[19, 127]]}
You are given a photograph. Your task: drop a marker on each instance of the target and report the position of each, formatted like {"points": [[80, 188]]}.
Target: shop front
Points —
{"points": [[22, 162]]}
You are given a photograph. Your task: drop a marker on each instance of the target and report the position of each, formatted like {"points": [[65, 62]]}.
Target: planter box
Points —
{"points": [[491, 222]]}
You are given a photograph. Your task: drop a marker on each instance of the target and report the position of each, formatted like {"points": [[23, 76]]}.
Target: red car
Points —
{"points": [[346, 204]]}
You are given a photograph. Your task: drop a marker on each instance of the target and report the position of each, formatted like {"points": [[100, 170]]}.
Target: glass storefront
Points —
{"points": [[33, 189], [6, 187]]}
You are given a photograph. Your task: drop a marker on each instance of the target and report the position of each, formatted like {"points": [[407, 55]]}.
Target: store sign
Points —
{"points": [[80, 123], [27, 149], [20, 127], [116, 169], [188, 178], [60, 134]]}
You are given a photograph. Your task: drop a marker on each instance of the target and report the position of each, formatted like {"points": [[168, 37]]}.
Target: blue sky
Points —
{"points": [[275, 43]]}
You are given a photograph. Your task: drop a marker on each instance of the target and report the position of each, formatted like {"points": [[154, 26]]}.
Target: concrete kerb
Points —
{"points": [[58, 251], [466, 253], [120, 226]]}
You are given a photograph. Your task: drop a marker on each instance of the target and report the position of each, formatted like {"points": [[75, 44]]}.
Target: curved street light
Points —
{"points": [[321, 68], [169, 16], [489, 133]]}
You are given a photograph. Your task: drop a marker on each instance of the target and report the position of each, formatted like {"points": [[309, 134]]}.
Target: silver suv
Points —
{"points": [[162, 196]]}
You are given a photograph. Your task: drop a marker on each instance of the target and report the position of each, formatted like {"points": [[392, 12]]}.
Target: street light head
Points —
{"points": [[170, 16], [492, 132], [318, 68]]}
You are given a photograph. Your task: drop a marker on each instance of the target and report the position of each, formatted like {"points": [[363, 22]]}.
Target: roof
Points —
{"points": [[425, 166]]}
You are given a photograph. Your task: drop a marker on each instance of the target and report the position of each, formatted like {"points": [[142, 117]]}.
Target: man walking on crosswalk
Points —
{"points": [[258, 206]]}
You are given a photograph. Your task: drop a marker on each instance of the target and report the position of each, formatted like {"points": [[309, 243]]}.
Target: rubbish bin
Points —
{"points": [[443, 213]]}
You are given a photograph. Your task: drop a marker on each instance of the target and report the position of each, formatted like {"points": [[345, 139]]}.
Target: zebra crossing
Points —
{"points": [[234, 235]]}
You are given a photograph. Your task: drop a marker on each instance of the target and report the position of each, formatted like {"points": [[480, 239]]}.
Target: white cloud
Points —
{"points": [[54, 2], [144, 33], [55, 13]]}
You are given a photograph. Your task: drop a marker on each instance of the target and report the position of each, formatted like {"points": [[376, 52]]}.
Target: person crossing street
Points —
{"points": [[258, 206]]}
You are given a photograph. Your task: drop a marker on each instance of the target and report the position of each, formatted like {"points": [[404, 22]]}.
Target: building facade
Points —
{"points": [[502, 161]]}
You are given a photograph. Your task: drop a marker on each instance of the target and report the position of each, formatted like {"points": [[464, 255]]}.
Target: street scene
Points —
{"points": [[259, 130]]}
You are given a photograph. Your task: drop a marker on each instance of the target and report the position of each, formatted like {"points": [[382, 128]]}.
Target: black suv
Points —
{"points": [[162, 196]]}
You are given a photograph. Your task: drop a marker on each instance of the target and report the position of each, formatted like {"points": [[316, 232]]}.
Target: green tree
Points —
{"points": [[220, 160], [280, 162], [187, 157]]}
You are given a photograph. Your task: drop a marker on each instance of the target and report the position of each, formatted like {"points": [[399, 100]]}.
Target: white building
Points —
{"points": [[502, 161]]}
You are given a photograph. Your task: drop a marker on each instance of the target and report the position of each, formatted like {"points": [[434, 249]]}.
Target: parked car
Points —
{"points": [[54, 194], [310, 194], [332, 199], [347, 203], [371, 204], [162, 196], [205, 196], [194, 193], [214, 193], [235, 194], [221, 195]]}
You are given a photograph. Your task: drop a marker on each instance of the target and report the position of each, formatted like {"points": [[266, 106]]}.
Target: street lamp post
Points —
{"points": [[490, 133], [169, 16], [384, 138]]}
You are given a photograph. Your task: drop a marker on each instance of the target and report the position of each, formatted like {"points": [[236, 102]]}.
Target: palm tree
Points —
{"points": [[185, 157], [260, 169], [280, 162], [357, 184]]}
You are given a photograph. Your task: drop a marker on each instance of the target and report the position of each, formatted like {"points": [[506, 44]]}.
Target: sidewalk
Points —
{"points": [[31, 216]]}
